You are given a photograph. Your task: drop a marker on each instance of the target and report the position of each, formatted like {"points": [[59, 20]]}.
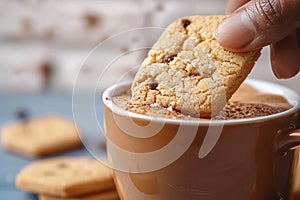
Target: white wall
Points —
{"points": [[61, 34]]}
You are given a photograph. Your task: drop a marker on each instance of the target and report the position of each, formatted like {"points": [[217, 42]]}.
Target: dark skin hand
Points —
{"points": [[257, 23]]}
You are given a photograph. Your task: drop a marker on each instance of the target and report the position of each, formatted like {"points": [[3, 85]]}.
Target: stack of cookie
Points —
{"points": [[57, 178], [75, 178]]}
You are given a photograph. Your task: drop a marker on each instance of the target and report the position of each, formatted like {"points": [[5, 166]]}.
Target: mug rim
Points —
{"points": [[294, 100]]}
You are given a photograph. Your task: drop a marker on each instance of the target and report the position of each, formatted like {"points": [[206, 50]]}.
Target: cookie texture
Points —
{"points": [[41, 136], [188, 71], [65, 177], [107, 195]]}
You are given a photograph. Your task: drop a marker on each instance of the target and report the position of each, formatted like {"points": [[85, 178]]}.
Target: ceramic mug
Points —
{"points": [[174, 159]]}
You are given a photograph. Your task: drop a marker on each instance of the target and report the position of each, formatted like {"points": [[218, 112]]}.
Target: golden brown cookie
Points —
{"points": [[65, 177], [187, 70], [107, 195], [41, 136]]}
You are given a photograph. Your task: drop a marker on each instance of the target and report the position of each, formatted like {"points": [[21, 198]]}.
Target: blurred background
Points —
{"points": [[43, 43]]}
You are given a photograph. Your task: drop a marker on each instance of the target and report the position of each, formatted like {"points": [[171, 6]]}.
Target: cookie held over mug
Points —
{"points": [[188, 71]]}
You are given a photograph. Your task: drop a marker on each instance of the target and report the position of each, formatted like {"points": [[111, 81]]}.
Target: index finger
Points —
{"points": [[232, 5]]}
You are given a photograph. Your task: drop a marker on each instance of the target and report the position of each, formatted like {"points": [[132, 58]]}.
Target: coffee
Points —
{"points": [[247, 102]]}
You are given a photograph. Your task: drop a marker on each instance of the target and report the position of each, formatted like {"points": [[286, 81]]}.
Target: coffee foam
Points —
{"points": [[237, 110]]}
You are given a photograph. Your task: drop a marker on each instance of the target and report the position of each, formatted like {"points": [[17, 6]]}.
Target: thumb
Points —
{"points": [[259, 23]]}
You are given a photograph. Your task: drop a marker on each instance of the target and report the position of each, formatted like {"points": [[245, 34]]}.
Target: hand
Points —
{"points": [[258, 23]]}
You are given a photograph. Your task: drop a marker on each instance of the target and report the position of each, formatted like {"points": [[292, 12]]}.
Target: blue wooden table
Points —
{"points": [[36, 104]]}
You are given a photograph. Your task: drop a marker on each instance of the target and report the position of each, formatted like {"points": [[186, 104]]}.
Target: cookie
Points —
{"points": [[41, 136], [109, 195], [65, 177], [188, 71]]}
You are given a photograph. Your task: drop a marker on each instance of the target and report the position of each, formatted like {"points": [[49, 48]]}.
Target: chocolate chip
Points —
{"points": [[185, 22], [22, 115], [62, 165], [168, 58], [153, 85]]}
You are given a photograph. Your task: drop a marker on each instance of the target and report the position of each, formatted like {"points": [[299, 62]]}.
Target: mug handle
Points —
{"points": [[289, 138], [288, 141]]}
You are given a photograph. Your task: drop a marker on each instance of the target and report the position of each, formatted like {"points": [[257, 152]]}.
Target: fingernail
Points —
{"points": [[236, 31]]}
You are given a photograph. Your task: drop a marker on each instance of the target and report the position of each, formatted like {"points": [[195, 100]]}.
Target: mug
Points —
{"points": [[157, 158]]}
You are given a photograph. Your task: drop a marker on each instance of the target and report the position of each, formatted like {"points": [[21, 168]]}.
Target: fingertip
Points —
{"points": [[285, 74], [235, 32], [285, 58]]}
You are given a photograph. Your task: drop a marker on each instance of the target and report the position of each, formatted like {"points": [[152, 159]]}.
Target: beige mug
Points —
{"points": [[158, 158]]}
